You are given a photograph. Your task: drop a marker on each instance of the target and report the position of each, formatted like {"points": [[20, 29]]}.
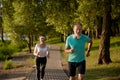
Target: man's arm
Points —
{"points": [[88, 48]]}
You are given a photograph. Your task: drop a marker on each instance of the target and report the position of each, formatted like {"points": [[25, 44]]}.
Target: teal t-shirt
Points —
{"points": [[79, 47]]}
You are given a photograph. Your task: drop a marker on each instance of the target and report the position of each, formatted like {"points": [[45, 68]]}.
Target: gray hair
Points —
{"points": [[78, 24]]}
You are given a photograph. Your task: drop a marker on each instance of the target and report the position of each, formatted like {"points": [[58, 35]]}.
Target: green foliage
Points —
{"points": [[21, 45], [3, 57], [7, 14], [36, 17], [7, 49], [115, 10], [60, 13], [8, 64], [87, 13]]}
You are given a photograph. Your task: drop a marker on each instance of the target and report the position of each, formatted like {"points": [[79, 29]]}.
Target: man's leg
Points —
{"points": [[72, 70], [81, 70], [80, 76], [72, 78]]}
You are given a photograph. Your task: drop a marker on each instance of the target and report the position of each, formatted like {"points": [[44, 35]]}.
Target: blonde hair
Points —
{"points": [[42, 37]]}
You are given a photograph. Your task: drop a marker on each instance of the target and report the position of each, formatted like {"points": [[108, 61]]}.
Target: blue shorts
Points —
{"points": [[79, 65]]}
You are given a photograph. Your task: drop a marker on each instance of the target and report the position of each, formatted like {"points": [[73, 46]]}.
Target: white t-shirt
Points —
{"points": [[41, 52]]}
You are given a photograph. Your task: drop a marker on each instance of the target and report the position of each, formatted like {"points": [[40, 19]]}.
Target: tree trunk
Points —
{"points": [[29, 44], [96, 35], [61, 36], [98, 29], [32, 40], [2, 30], [104, 53], [2, 35]]}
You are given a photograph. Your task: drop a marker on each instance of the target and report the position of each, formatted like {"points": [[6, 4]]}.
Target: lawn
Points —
{"points": [[106, 71]]}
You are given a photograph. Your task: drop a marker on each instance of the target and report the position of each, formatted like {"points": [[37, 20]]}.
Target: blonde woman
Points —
{"points": [[41, 52]]}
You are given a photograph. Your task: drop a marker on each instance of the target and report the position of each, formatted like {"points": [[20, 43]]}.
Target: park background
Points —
{"points": [[23, 21]]}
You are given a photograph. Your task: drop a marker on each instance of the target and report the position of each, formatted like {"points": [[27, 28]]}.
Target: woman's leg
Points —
{"points": [[44, 61], [38, 68]]}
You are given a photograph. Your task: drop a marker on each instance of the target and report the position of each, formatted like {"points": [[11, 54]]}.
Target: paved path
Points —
{"points": [[54, 70]]}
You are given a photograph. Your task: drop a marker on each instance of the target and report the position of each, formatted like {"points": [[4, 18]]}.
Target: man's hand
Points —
{"points": [[71, 50], [87, 53]]}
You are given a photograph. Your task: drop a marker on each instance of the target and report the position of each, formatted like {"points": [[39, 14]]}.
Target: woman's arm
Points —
{"points": [[48, 52], [35, 51]]}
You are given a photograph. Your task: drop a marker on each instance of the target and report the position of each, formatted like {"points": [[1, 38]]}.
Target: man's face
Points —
{"points": [[77, 30]]}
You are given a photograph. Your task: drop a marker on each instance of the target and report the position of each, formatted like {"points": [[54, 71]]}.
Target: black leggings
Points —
{"points": [[41, 63]]}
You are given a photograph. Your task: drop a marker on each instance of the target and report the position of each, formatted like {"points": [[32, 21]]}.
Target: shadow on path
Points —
{"points": [[50, 74]]}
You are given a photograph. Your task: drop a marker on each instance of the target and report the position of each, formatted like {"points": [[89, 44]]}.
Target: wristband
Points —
{"points": [[88, 50]]}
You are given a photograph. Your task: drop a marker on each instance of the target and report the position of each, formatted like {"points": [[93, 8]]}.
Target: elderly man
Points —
{"points": [[75, 47]]}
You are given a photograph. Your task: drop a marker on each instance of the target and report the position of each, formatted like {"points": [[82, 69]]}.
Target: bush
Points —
{"points": [[3, 57], [18, 46], [8, 64], [6, 50], [21, 46]]}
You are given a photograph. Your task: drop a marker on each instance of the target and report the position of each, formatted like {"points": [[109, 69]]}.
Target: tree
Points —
{"points": [[115, 15], [29, 20], [89, 13], [60, 13], [104, 53], [92, 14], [24, 20], [7, 16]]}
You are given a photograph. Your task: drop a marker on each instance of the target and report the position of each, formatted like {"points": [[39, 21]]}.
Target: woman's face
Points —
{"points": [[42, 39], [77, 30]]}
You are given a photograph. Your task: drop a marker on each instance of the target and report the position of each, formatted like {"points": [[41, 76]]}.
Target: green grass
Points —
{"points": [[53, 41], [106, 71]]}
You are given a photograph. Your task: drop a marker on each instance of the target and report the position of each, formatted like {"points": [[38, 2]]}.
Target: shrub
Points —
{"points": [[6, 50], [3, 57], [21, 46], [8, 64]]}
